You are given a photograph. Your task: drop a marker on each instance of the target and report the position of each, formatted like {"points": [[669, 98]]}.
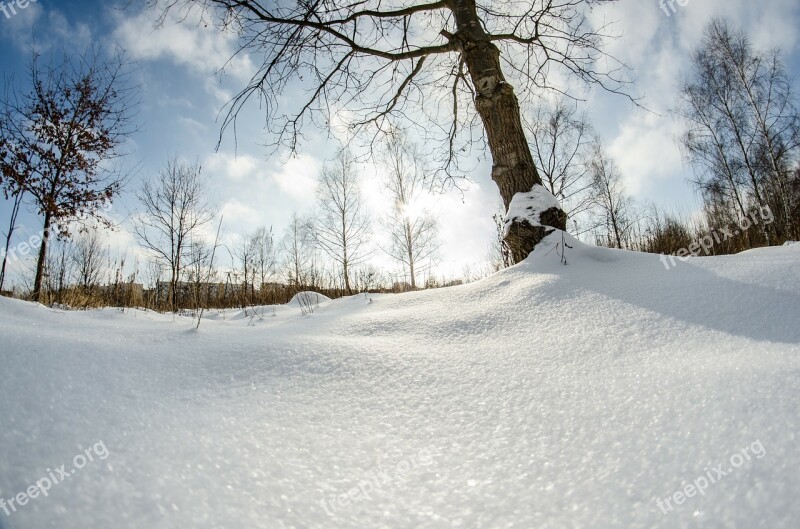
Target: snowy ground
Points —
{"points": [[546, 396]]}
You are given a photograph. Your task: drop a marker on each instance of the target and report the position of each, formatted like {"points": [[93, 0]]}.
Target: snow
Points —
{"points": [[543, 396], [529, 206], [308, 297]]}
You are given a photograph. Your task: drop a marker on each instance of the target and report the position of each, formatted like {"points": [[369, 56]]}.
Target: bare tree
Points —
{"points": [[391, 64], [176, 209], [57, 137], [15, 193], [244, 252], [562, 143], [255, 256], [614, 204], [368, 277], [794, 187], [743, 126], [412, 229], [89, 258], [341, 225], [57, 270], [199, 271], [262, 242], [153, 272], [297, 253]]}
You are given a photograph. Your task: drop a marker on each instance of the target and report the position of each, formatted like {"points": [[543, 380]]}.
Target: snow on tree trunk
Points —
{"points": [[525, 226]]}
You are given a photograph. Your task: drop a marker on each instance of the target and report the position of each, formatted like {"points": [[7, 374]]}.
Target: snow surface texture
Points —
{"points": [[530, 206], [545, 396]]}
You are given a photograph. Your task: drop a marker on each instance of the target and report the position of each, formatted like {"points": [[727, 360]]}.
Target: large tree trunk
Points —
{"points": [[513, 168], [37, 282]]}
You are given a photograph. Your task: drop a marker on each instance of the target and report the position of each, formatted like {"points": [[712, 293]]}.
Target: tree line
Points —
{"points": [[61, 136]]}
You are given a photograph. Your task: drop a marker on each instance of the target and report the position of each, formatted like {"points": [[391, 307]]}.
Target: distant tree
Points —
{"points": [[199, 272], [89, 259], [244, 252], [255, 256], [665, 234], [262, 242], [175, 210], [58, 136], [743, 125], [368, 277], [413, 230], [297, 251], [58, 268], [562, 143], [795, 204], [14, 193], [341, 225], [396, 63], [614, 205]]}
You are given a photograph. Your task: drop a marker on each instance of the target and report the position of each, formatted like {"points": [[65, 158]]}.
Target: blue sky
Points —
{"points": [[182, 91]]}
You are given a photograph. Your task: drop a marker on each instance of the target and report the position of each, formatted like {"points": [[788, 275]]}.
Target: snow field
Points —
{"points": [[543, 396]]}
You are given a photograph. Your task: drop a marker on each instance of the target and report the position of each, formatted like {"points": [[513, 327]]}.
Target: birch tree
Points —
{"points": [[562, 143], [613, 202], [412, 229], [341, 227], [297, 252], [742, 126]]}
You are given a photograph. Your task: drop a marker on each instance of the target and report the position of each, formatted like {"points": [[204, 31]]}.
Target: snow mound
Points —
{"points": [[585, 395], [308, 297]]}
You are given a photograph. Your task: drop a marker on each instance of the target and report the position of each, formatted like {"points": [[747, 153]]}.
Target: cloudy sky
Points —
{"points": [[178, 68]]}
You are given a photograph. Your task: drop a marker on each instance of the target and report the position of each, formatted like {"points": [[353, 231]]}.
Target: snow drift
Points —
{"points": [[544, 396]]}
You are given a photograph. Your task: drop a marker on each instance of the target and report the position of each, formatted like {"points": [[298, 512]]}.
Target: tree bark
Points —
{"points": [[513, 168], [37, 283]]}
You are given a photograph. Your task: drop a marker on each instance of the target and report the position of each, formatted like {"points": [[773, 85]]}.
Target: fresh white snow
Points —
{"points": [[546, 396], [530, 206]]}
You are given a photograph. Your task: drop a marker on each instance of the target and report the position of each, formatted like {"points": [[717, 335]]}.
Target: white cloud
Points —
{"points": [[769, 23], [237, 213], [466, 227], [27, 30], [187, 41], [298, 177], [78, 36], [233, 167], [19, 27], [645, 151]]}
